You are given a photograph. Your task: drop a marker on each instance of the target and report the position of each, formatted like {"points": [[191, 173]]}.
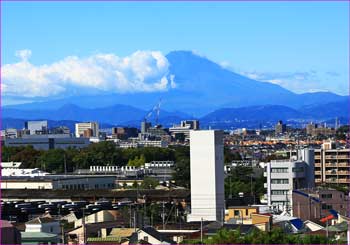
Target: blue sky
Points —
{"points": [[302, 46]]}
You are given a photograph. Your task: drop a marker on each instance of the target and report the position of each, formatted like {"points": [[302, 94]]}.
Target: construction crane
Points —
{"points": [[156, 110]]}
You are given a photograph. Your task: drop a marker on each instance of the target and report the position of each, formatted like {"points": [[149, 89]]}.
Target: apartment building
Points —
{"points": [[283, 176], [332, 165], [317, 203]]}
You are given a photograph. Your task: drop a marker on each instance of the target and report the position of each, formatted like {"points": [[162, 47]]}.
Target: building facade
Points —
{"points": [[184, 129], [332, 165], [283, 176], [207, 176], [316, 203], [87, 128], [59, 182], [46, 142], [37, 127], [280, 128]]}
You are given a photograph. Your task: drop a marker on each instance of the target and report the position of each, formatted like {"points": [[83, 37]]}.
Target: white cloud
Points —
{"points": [[24, 54], [142, 71]]}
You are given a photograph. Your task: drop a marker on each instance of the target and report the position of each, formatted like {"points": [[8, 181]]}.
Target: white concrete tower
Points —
{"points": [[207, 175]]}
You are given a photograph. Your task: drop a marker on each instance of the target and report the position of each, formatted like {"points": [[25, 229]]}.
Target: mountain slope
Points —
{"points": [[257, 113], [201, 86]]}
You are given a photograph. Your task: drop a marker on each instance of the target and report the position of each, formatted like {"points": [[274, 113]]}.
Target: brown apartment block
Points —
{"points": [[332, 165], [315, 204]]}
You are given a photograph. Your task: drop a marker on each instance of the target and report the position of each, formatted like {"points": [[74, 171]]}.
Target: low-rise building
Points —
{"points": [[101, 216], [9, 233], [316, 203], [48, 141], [240, 214], [56, 182]]}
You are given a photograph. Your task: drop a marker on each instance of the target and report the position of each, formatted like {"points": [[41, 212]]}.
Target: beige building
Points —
{"points": [[90, 129], [332, 165]]}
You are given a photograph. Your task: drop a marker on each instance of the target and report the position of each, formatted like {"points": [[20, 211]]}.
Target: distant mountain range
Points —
{"points": [[221, 118], [203, 90]]}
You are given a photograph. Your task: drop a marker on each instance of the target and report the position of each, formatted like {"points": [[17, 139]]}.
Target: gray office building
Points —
{"points": [[49, 141]]}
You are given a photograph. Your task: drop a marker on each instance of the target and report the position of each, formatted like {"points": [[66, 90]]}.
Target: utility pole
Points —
{"points": [[62, 230], [65, 164], [134, 221], [201, 230], [163, 216], [84, 227]]}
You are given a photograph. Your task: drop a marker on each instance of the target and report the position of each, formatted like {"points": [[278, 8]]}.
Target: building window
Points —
{"points": [[145, 238], [298, 169], [279, 170], [236, 212], [326, 206], [328, 196], [280, 181], [279, 192]]}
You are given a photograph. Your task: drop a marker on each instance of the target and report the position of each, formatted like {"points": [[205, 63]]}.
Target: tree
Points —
{"points": [[275, 236], [241, 179], [27, 155], [52, 160], [149, 183]]}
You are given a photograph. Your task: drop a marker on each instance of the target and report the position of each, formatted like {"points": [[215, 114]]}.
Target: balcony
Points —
{"points": [[317, 172], [344, 164], [341, 172], [347, 181], [331, 156], [318, 180], [335, 180], [343, 157]]}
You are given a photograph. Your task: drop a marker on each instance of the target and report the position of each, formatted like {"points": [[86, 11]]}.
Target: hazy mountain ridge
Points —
{"points": [[131, 116]]}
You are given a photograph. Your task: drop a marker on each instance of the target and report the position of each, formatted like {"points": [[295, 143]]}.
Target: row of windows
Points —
{"points": [[279, 192], [86, 186], [280, 181], [326, 195], [279, 170]]}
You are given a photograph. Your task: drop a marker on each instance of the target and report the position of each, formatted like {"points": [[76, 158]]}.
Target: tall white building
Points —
{"points": [[90, 129], [283, 176], [207, 176]]}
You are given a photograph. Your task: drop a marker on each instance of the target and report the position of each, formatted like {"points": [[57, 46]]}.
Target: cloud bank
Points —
{"points": [[142, 71]]}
